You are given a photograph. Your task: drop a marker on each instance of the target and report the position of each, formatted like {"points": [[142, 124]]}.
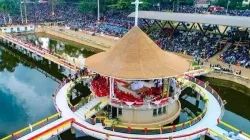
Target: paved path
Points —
{"points": [[45, 128]]}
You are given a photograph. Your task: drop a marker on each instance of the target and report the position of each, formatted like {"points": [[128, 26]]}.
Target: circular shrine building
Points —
{"points": [[139, 80]]}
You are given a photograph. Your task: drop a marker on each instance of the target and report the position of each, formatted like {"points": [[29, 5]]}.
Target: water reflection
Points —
{"points": [[25, 95], [25, 87], [30, 98], [8, 62], [73, 53]]}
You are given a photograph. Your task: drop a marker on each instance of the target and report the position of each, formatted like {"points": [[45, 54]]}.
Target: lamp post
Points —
{"points": [[159, 6], [228, 2], [21, 11], [195, 6], [98, 10], [25, 12]]}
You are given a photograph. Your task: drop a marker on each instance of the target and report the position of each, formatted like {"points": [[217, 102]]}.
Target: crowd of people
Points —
{"points": [[237, 55], [225, 69], [195, 44], [113, 22], [116, 23]]}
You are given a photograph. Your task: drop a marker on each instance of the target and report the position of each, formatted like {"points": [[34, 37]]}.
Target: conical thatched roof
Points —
{"points": [[136, 56]]}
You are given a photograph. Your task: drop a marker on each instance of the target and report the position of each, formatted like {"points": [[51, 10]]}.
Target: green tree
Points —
{"points": [[87, 6], [90, 6], [234, 4], [8, 7]]}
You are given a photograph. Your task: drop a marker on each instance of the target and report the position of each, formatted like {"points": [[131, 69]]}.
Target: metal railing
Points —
{"points": [[209, 89], [43, 53], [34, 127], [212, 133], [155, 130], [221, 124], [57, 129], [141, 105], [101, 104], [230, 128], [111, 134], [71, 86]]}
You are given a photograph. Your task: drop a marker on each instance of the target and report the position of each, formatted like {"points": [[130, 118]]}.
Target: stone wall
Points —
{"points": [[240, 84]]}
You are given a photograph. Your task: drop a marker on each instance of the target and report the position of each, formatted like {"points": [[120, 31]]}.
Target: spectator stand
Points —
{"points": [[210, 20]]}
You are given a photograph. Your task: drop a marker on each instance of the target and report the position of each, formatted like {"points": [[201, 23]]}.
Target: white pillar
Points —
{"points": [[198, 97], [110, 88], [58, 66]]}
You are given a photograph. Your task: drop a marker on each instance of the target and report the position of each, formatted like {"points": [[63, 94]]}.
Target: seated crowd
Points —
{"points": [[193, 44], [237, 55], [116, 23]]}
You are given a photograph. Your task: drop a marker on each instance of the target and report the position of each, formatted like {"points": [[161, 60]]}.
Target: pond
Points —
{"points": [[26, 88], [237, 108]]}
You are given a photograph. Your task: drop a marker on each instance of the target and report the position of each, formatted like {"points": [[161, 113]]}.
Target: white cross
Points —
{"points": [[136, 3]]}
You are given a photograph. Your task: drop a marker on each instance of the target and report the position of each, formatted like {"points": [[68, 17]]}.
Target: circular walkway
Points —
{"points": [[208, 121]]}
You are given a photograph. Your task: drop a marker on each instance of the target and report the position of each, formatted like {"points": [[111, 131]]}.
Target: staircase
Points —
{"points": [[89, 109]]}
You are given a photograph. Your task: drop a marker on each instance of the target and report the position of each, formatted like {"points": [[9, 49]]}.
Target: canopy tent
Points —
{"points": [[236, 21], [137, 57]]}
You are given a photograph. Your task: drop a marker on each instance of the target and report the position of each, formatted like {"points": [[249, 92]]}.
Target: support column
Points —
{"points": [[175, 28], [49, 63], [224, 30], [73, 131], [165, 84], [70, 72], [198, 97], [200, 28], [172, 27], [41, 58], [202, 137], [113, 86], [29, 53], [168, 86], [197, 103], [110, 88]]}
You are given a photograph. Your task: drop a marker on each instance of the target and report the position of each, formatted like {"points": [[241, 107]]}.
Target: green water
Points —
{"points": [[237, 108], [26, 93]]}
